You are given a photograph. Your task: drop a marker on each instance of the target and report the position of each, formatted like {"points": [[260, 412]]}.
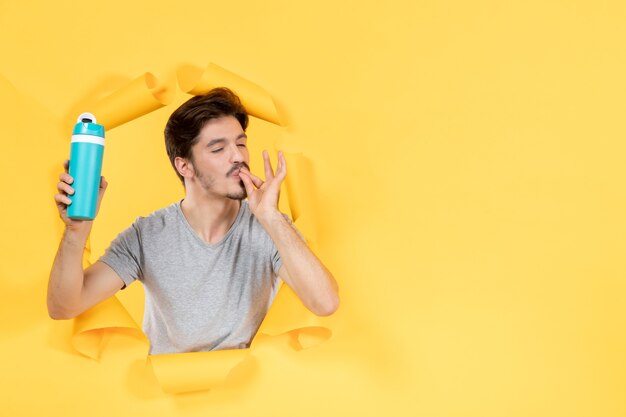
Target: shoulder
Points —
{"points": [[159, 219]]}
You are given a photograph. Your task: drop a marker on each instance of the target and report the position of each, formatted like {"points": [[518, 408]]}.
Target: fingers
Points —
{"points": [[281, 171], [103, 183], [247, 182], [66, 178], [103, 187], [258, 182], [62, 200], [281, 168], [269, 172], [65, 188]]}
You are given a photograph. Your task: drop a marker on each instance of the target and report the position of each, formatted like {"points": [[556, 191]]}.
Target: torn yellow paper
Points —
{"points": [[142, 96], [300, 194], [195, 371], [91, 327], [147, 93], [288, 315], [256, 100]]}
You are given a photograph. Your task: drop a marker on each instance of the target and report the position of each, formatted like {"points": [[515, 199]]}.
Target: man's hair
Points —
{"points": [[184, 125]]}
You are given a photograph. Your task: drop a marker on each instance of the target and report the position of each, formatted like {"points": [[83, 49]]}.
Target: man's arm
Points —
{"points": [[301, 269], [70, 289]]}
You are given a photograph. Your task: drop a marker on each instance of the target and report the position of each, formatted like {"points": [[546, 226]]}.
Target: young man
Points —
{"points": [[209, 263]]}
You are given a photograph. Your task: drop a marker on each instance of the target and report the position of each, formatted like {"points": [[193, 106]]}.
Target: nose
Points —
{"points": [[236, 155]]}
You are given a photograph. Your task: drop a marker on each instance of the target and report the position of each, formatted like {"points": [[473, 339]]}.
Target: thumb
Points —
{"points": [[103, 186]]}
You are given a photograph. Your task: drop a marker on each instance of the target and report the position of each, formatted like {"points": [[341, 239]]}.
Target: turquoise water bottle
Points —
{"points": [[85, 167]]}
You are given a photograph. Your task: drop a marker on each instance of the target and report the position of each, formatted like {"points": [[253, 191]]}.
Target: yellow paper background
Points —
{"points": [[469, 181]]}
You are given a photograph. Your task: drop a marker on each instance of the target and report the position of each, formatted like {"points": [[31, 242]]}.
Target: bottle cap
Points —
{"points": [[86, 125]]}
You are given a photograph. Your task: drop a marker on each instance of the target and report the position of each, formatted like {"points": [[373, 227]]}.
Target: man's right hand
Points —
{"points": [[62, 200], [72, 290]]}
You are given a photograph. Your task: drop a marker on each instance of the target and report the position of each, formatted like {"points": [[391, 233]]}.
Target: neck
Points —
{"points": [[210, 217]]}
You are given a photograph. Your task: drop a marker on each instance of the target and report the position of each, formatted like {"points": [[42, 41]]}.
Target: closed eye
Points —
{"points": [[217, 150]]}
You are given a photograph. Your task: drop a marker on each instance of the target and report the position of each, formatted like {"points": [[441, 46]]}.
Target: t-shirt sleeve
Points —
{"points": [[124, 255]]}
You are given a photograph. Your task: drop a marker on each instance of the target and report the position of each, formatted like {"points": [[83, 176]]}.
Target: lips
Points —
{"points": [[234, 171]]}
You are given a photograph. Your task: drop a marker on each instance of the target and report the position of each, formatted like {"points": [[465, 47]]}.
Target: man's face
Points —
{"points": [[217, 156]]}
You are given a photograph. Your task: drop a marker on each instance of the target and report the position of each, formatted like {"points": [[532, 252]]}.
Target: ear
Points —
{"points": [[184, 167]]}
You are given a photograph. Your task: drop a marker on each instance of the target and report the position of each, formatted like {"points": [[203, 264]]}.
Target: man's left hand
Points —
{"points": [[263, 195]]}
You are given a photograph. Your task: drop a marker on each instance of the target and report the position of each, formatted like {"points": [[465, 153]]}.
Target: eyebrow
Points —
{"points": [[222, 140]]}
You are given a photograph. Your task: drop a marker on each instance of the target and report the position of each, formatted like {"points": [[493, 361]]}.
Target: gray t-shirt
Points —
{"points": [[198, 296]]}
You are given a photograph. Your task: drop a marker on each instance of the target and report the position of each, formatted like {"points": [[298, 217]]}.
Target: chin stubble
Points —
{"points": [[238, 196]]}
